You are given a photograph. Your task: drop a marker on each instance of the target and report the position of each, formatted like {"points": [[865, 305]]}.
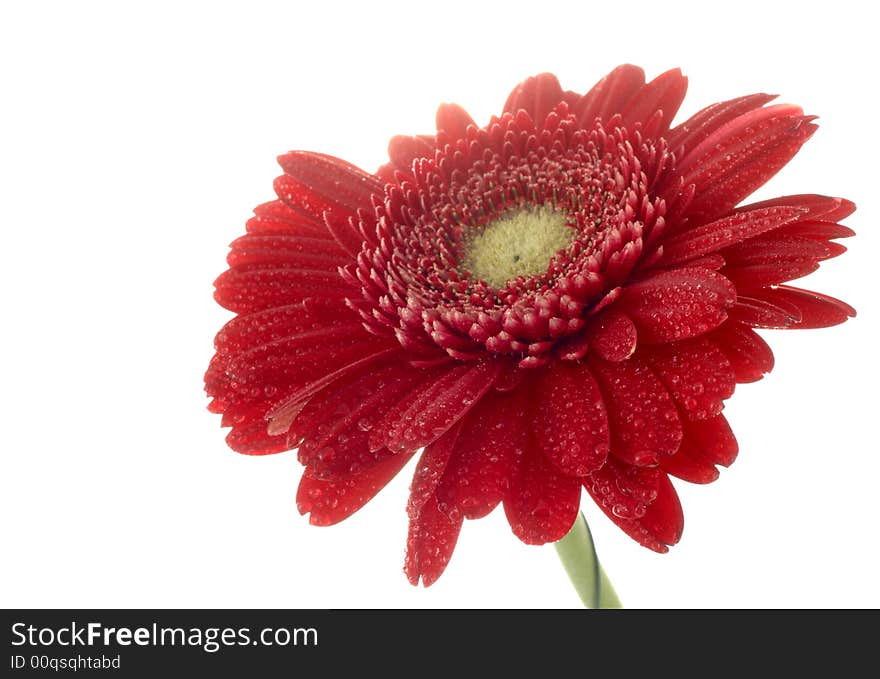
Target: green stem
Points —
{"points": [[578, 556]]}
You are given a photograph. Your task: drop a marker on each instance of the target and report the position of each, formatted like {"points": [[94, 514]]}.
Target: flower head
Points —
{"points": [[557, 301]]}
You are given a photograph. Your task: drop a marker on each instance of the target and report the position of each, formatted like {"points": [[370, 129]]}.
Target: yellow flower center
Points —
{"points": [[520, 243]]}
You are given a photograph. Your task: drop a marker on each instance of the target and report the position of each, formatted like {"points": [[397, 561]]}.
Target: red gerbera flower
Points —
{"points": [[559, 300]]}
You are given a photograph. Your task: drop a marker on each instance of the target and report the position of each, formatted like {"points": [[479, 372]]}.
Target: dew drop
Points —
{"points": [[621, 511]]}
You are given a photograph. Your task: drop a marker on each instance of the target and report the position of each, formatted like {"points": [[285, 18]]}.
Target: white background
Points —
{"points": [[135, 141]]}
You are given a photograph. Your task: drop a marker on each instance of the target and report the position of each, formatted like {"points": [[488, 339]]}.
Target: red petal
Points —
{"points": [[664, 520], [699, 126], [542, 504], [665, 93], [712, 262], [344, 331], [324, 183], [430, 543], [749, 355], [762, 262], [329, 502], [282, 415], [276, 217], [661, 523], [537, 96], [612, 335], [761, 314], [245, 291], [574, 347], [643, 418], [291, 360], [571, 425], [817, 207], [492, 439], [821, 231], [430, 468], [726, 231], [264, 357], [712, 441], [404, 150], [817, 310], [339, 420], [285, 250], [686, 468], [251, 436], [328, 187], [674, 305], [427, 414], [453, 120], [252, 330], [697, 374], [741, 156], [609, 95], [622, 490], [247, 417], [705, 444]]}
